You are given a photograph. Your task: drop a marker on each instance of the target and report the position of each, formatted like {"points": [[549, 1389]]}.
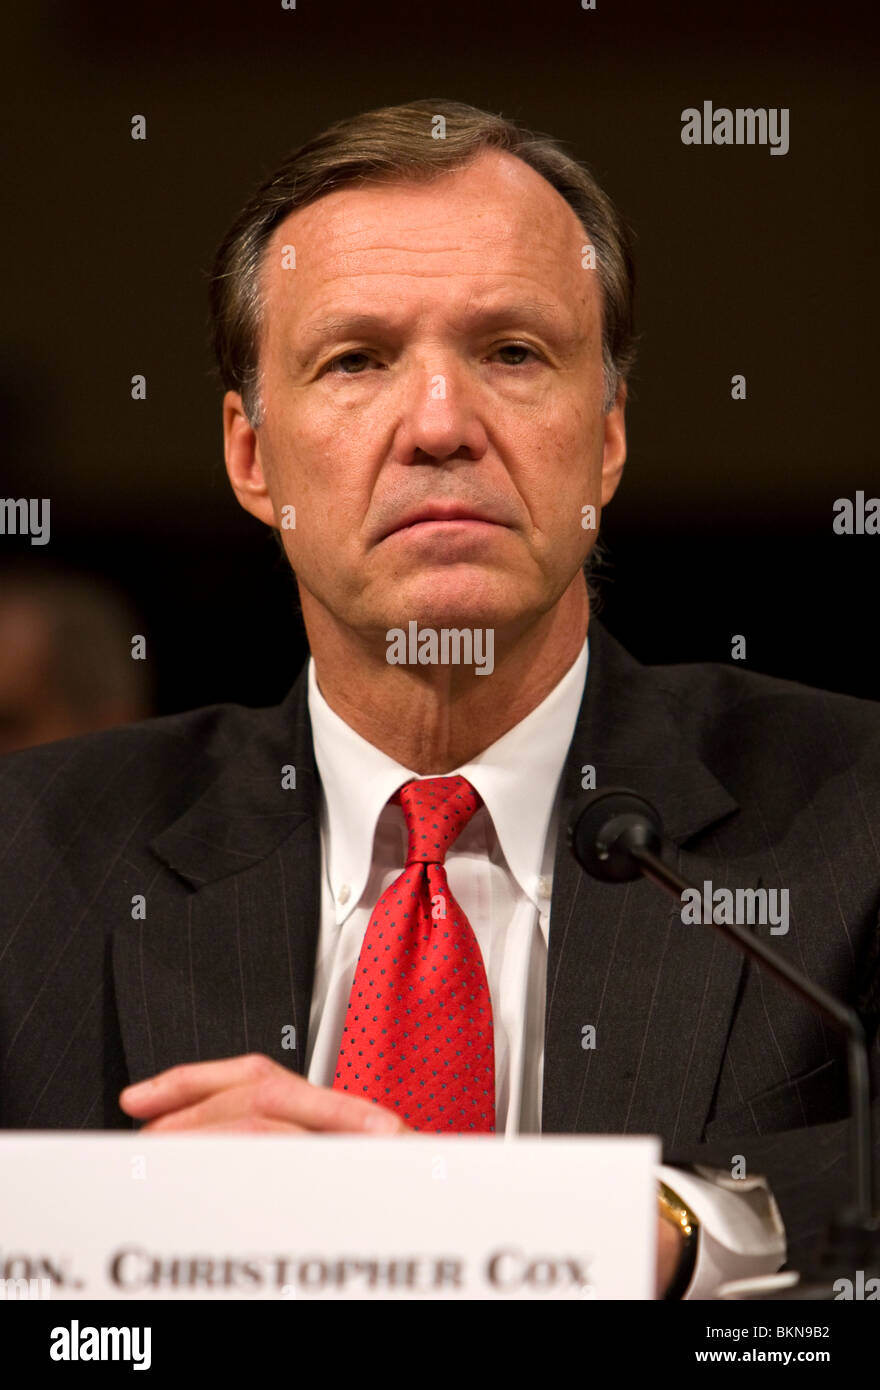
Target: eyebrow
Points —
{"points": [[325, 328]]}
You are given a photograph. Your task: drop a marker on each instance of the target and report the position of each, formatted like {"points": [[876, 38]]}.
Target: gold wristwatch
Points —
{"points": [[673, 1209]]}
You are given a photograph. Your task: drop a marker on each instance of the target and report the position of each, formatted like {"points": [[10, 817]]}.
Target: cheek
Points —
{"points": [[313, 469], [314, 466], [561, 467]]}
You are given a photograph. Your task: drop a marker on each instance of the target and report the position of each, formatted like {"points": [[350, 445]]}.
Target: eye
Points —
{"points": [[334, 363], [337, 366], [520, 348]]}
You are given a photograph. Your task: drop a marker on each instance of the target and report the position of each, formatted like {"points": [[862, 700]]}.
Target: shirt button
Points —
{"points": [[344, 893], [544, 886]]}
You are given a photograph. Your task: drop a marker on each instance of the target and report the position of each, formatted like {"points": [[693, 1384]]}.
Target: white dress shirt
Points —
{"points": [[500, 871]]}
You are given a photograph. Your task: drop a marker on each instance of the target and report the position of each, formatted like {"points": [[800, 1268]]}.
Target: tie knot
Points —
{"points": [[436, 810]]}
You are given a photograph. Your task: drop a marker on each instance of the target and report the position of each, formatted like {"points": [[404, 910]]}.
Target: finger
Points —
{"points": [[193, 1121], [254, 1084], [192, 1082], [324, 1110]]}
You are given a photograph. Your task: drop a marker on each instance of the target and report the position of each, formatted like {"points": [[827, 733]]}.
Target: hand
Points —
{"points": [[670, 1247], [250, 1094]]}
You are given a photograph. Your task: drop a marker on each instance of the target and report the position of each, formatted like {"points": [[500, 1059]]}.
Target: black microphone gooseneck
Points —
{"points": [[616, 837]]}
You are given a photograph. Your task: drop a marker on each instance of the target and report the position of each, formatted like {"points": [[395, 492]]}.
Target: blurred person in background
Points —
{"points": [[66, 663]]}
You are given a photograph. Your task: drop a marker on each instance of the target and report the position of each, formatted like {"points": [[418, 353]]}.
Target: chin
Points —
{"points": [[473, 595]]}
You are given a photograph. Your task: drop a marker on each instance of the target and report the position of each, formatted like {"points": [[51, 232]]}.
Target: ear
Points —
{"points": [[244, 464], [614, 456]]}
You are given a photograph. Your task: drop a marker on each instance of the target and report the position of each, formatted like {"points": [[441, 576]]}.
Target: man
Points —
{"points": [[425, 344]]}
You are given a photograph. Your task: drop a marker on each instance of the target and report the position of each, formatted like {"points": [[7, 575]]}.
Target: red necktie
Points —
{"points": [[418, 1032]]}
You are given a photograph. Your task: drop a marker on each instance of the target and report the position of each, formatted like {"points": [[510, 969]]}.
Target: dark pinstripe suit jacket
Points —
{"points": [[762, 781]]}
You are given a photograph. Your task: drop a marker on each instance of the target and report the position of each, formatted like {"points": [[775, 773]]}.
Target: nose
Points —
{"points": [[439, 414]]}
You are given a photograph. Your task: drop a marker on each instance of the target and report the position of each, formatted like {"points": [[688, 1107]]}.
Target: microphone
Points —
{"points": [[617, 836]]}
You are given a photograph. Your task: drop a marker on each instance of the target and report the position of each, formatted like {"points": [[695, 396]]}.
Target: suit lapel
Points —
{"points": [[658, 994], [227, 968]]}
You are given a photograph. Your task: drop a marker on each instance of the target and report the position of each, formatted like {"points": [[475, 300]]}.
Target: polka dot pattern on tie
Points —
{"points": [[418, 1034]]}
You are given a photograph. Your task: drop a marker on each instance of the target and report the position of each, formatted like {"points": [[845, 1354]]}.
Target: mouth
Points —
{"points": [[455, 518], [467, 523]]}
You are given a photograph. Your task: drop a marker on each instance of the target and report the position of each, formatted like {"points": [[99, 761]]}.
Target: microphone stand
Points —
{"points": [[616, 836]]}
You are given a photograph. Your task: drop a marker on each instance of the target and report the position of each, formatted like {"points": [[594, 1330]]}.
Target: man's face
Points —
{"points": [[435, 344]]}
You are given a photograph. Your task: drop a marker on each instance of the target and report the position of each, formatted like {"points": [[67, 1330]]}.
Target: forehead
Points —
{"points": [[493, 225]]}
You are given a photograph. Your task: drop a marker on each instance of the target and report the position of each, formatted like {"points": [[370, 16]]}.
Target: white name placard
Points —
{"points": [[326, 1217]]}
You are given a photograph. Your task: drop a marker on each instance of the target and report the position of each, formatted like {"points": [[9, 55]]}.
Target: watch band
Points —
{"points": [[673, 1209]]}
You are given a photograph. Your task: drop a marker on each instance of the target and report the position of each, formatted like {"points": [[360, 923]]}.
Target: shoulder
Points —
{"points": [[753, 728], [731, 697], [718, 700], [147, 769]]}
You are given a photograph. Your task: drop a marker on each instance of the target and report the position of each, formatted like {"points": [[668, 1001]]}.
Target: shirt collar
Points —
{"points": [[517, 777]]}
